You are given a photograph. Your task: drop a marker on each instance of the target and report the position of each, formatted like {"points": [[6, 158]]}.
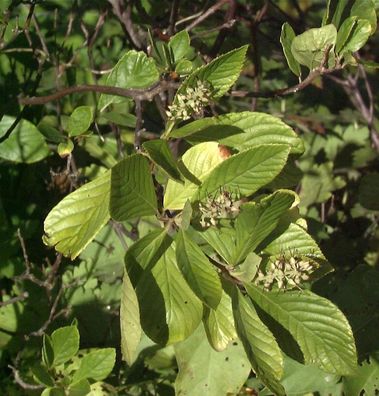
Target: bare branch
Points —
{"points": [[210, 11], [125, 18], [137, 94], [21, 382], [15, 300]]}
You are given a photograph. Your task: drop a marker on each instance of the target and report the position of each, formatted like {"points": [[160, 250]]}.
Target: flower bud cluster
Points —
{"points": [[190, 102], [224, 206], [285, 273]]}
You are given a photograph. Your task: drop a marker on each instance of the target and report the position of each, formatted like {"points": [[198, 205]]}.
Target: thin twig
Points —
{"points": [[124, 15], [21, 382], [137, 132], [173, 16], [137, 94], [210, 11], [15, 300], [52, 315]]}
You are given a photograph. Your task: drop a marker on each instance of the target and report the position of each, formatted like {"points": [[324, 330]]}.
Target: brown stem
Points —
{"points": [[137, 94], [206, 14]]}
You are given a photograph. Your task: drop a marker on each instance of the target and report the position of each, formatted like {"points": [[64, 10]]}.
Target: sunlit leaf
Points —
{"points": [[241, 131], [132, 189], [203, 371], [25, 144], [74, 222], [199, 273], [246, 172], [318, 326], [260, 345]]}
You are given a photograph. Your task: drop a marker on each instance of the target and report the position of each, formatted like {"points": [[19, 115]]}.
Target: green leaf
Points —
{"points": [[96, 365], [286, 37], [309, 47], [340, 7], [318, 326], [105, 151], [132, 189], [180, 45], [222, 240], [160, 153], [199, 273], [198, 161], [369, 191], [81, 388], [365, 379], [219, 324], [203, 371], [53, 392], [42, 376], [184, 67], [65, 342], [133, 70], [365, 9], [144, 254], [65, 148], [352, 35], [257, 220], [246, 172], [25, 144], [75, 221], [294, 240], [221, 73], [47, 351], [241, 131], [131, 330], [300, 379], [80, 120], [170, 311], [260, 345]]}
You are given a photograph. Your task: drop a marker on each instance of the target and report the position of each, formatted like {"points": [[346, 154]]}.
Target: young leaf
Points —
{"points": [[203, 371], [365, 9], [180, 45], [340, 7], [80, 120], [241, 131], [309, 47], [74, 222], [246, 172], [286, 37], [199, 162], [132, 189], [96, 365], [319, 327], [131, 330], [352, 35], [133, 70], [257, 220], [170, 311], [47, 351], [65, 341], [160, 153], [221, 73], [260, 345], [42, 376], [219, 324], [80, 388], [25, 144], [200, 275]]}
